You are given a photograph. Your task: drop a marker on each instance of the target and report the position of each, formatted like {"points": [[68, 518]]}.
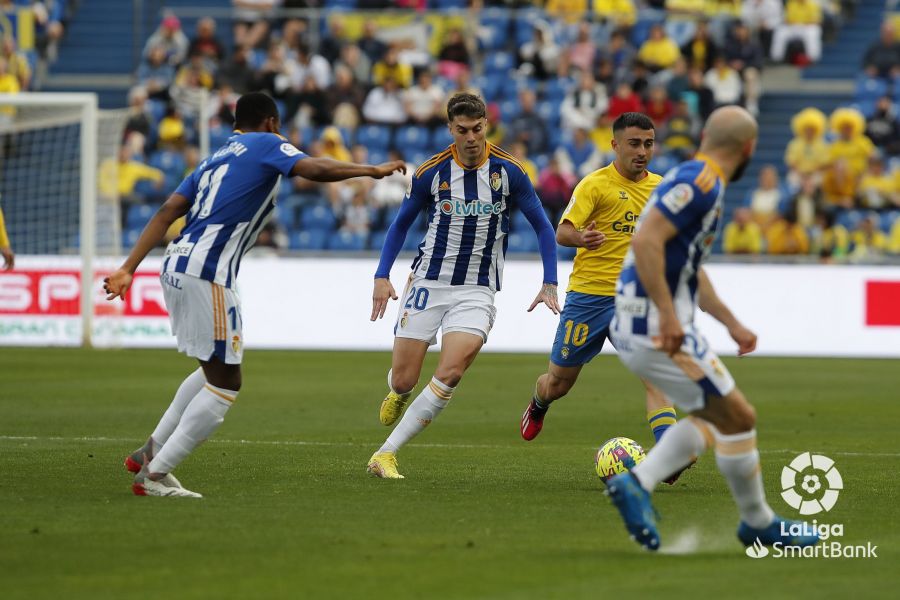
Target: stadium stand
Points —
{"points": [[508, 49]]}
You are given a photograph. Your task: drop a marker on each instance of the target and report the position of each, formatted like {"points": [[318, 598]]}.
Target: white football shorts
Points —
{"points": [[686, 378], [427, 305], [205, 317]]}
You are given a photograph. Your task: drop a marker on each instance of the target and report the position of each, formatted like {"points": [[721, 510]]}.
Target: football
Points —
{"points": [[617, 455]]}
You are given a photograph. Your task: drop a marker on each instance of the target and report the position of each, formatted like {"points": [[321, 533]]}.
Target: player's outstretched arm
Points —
{"points": [[711, 303], [120, 280], [589, 238], [327, 169], [530, 205], [649, 247]]}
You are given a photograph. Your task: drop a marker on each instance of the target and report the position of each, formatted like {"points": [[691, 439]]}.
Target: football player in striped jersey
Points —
{"points": [[466, 192], [227, 200]]}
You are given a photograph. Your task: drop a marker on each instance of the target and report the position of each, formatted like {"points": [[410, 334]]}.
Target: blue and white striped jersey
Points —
{"points": [[468, 219], [232, 194], [690, 196]]}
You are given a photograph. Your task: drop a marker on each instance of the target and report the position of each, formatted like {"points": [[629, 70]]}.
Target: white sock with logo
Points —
{"points": [[424, 409], [189, 388], [683, 442], [738, 460], [200, 419]]}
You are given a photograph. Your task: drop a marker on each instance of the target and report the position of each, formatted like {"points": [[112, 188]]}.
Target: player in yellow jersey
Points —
{"points": [[599, 221], [9, 259]]}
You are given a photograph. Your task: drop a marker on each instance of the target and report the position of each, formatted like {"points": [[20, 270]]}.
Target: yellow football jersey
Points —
{"points": [[614, 203]]}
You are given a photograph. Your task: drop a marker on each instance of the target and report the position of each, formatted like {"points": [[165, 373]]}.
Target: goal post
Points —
{"points": [[51, 147]]}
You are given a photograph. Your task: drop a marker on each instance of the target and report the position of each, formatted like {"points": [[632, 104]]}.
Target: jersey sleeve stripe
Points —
{"points": [[502, 154], [432, 162]]}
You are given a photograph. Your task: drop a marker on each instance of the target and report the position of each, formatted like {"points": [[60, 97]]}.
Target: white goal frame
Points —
{"points": [[88, 111]]}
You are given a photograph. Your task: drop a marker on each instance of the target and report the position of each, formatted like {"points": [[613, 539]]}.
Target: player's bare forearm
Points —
{"points": [[326, 169], [567, 235], [650, 262], [171, 210], [710, 302]]}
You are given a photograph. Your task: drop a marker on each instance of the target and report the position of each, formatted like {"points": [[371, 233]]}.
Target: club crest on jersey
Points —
{"points": [[444, 186], [236, 343], [496, 182], [404, 320], [623, 195], [473, 208]]}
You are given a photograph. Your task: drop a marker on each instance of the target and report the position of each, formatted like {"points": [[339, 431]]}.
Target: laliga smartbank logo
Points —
{"points": [[811, 485]]}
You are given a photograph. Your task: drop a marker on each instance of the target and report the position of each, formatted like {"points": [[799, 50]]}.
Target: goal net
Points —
{"points": [[51, 147]]}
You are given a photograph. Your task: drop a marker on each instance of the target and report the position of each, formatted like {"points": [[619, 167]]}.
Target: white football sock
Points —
{"points": [[200, 419], [738, 460], [684, 442], [189, 388], [423, 410]]}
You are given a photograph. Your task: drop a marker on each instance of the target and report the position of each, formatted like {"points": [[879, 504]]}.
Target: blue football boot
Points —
{"points": [[634, 506], [773, 533]]}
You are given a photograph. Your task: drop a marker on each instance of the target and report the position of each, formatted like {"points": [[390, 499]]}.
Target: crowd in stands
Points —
{"points": [[841, 194], [555, 78]]}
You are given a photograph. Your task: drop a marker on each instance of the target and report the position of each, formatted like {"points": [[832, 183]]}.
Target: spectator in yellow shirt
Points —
{"points": [[659, 51], [839, 186], [569, 11], [520, 152], [742, 235], [620, 12], [119, 176], [8, 85], [877, 189], [851, 143], [786, 236], [894, 240], [807, 154], [868, 240], [390, 67], [829, 239], [9, 258], [802, 20]]}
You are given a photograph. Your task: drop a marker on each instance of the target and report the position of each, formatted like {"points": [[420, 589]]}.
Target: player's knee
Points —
{"points": [[403, 382], [450, 375]]}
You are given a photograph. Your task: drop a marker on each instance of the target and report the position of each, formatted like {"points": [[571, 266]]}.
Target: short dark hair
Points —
{"points": [[633, 119], [467, 105], [252, 109]]}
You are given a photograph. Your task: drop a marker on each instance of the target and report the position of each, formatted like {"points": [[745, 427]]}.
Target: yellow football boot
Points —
{"points": [[384, 465], [392, 407]]}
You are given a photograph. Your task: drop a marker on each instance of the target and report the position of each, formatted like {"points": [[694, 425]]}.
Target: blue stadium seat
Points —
{"points": [[555, 89], [374, 137], [171, 163], [412, 241], [346, 241], [850, 218], [495, 28], [540, 161], [138, 215], [498, 63], [680, 30], [318, 217], [550, 112], [870, 88], [888, 219], [491, 87], [417, 158], [376, 240], [509, 109], [307, 240], [412, 138], [377, 156], [641, 29], [565, 253], [440, 138], [524, 27], [519, 222], [130, 237], [522, 242], [218, 135], [661, 163]]}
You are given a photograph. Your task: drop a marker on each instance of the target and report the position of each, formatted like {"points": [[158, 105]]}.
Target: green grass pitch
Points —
{"points": [[290, 512]]}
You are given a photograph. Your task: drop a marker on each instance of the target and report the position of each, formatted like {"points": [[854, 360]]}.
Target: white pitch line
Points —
{"points": [[33, 438]]}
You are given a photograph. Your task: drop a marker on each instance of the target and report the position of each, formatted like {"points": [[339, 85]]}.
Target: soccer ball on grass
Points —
{"points": [[617, 455]]}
